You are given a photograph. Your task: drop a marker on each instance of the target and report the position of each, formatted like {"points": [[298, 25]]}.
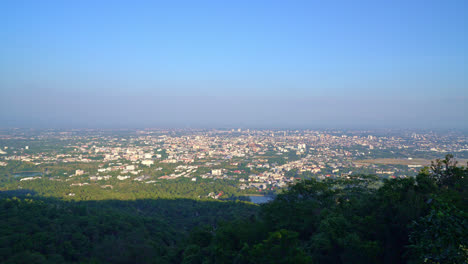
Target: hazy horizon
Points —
{"points": [[259, 112], [262, 64]]}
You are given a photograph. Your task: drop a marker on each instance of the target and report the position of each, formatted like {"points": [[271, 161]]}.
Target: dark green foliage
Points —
{"points": [[411, 220], [353, 220], [144, 231], [35, 231], [441, 236], [280, 247]]}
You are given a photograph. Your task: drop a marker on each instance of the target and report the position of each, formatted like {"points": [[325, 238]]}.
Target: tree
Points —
{"points": [[441, 236], [444, 171]]}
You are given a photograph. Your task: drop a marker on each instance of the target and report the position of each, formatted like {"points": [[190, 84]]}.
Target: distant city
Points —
{"points": [[251, 160]]}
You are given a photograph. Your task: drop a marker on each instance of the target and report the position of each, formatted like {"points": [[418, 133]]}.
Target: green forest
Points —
{"points": [[360, 219]]}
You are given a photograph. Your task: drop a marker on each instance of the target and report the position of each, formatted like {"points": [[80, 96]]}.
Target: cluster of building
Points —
{"points": [[259, 159]]}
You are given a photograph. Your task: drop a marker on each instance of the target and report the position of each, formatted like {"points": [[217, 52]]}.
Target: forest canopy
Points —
{"points": [[419, 219]]}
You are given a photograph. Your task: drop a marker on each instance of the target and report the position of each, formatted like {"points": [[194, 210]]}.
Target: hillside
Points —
{"points": [[411, 220]]}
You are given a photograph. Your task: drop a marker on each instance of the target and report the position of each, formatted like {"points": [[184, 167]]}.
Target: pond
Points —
{"points": [[27, 174], [259, 199]]}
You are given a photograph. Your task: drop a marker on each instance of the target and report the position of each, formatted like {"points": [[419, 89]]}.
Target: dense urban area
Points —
{"points": [[239, 161]]}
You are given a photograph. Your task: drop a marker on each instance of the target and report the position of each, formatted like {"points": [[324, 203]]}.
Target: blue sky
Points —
{"points": [[234, 63]]}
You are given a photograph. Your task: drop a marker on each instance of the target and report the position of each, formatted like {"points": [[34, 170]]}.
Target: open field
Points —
{"points": [[423, 162]]}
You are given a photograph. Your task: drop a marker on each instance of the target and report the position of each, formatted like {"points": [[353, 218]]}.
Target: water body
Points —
{"points": [[27, 174], [261, 199]]}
